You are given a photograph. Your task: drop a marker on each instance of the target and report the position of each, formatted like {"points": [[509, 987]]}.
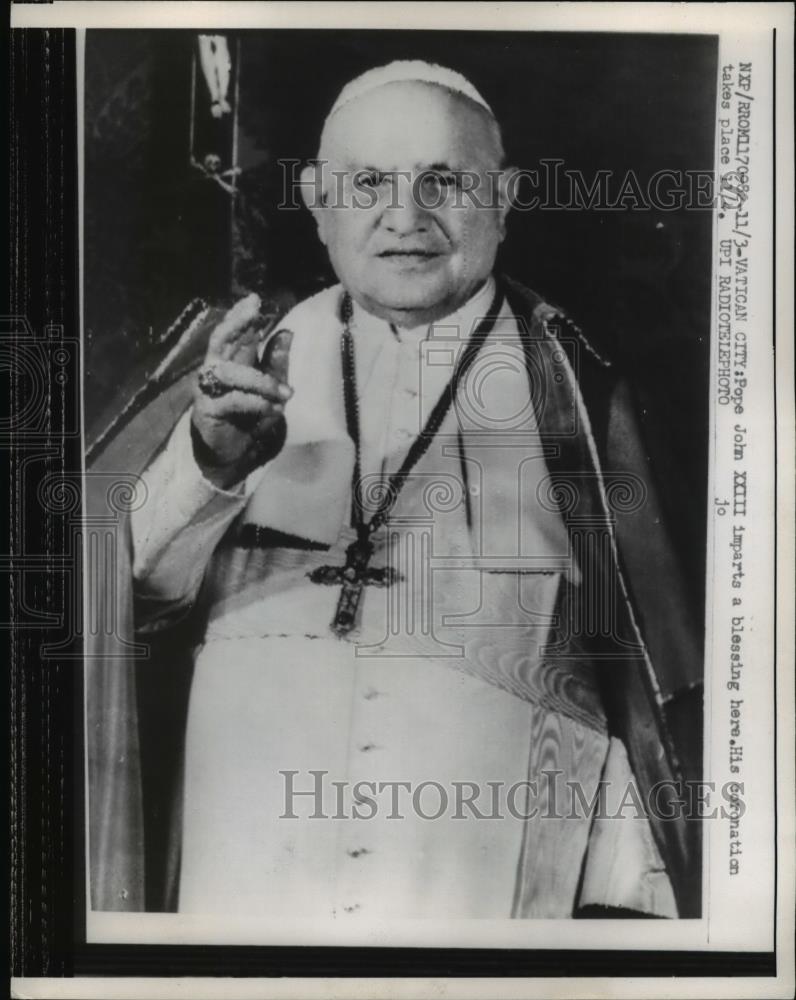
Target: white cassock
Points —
{"points": [[441, 695]]}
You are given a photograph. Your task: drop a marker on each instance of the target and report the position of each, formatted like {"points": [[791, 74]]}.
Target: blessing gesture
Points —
{"points": [[238, 410]]}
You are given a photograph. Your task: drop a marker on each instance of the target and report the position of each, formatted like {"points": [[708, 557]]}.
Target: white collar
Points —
{"points": [[464, 319]]}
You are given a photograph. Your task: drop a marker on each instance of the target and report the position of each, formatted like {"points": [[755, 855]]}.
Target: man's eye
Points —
{"points": [[368, 179], [433, 181]]}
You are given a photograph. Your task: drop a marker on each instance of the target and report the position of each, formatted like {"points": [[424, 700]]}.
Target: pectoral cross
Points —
{"points": [[354, 576], [357, 574]]}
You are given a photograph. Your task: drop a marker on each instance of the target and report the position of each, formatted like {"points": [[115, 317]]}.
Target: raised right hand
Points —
{"points": [[235, 432]]}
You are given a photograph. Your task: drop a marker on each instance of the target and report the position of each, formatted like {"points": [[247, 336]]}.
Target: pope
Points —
{"points": [[398, 539]]}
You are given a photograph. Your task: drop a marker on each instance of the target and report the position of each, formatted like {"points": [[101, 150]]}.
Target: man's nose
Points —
{"points": [[402, 214]]}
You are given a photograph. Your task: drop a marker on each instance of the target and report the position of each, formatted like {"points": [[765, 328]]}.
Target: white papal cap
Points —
{"points": [[407, 71]]}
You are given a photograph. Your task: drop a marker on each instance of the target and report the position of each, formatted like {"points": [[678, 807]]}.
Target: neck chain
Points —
{"points": [[356, 573], [420, 445]]}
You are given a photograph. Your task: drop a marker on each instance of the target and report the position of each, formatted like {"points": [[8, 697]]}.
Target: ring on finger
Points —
{"points": [[210, 383]]}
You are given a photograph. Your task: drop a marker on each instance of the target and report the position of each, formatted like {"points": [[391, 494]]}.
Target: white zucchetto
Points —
{"points": [[407, 71]]}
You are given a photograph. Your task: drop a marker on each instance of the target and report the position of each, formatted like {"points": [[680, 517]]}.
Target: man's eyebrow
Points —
{"points": [[368, 168], [439, 166]]}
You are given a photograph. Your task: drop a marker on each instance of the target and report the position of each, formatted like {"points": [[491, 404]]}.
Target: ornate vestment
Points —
{"points": [[618, 669]]}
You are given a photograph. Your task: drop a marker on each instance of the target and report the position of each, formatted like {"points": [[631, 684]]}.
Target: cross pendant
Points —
{"points": [[354, 576]]}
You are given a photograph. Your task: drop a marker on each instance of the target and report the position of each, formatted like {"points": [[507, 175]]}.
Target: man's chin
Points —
{"points": [[409, 314], [414, 295]]}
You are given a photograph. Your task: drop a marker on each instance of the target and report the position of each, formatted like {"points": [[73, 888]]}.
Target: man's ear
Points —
{"points": [[505, 190], [313, 195]]}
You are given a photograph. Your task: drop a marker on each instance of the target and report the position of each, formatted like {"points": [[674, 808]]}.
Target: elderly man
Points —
{"points": [[419, 665]]}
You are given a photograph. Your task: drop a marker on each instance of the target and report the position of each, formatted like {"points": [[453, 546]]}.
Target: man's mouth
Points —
{"points": [[416, 254]]}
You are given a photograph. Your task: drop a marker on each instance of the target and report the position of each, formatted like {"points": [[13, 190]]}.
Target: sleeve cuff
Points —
{"points": [[198, 491]]}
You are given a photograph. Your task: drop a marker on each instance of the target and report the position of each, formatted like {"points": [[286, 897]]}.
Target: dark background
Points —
{"points": [[158, 233]]}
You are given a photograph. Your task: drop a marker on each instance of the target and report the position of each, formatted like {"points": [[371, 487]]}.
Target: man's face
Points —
{"points": [[403, 237]]}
